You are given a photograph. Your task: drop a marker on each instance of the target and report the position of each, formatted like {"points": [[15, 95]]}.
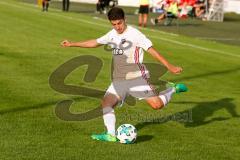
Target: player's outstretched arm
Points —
{"points": [[160, 58], [84, 44]]}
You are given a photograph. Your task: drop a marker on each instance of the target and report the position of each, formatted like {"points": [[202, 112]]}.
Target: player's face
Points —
{"points": [[119, 25]]}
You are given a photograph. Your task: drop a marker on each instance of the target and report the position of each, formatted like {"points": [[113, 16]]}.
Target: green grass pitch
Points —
{"points": [[200, 124]]}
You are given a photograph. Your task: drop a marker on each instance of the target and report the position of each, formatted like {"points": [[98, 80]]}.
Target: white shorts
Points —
{"points": [[139, 88]]}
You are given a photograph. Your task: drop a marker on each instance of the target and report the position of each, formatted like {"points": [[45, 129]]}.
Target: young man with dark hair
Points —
{"points": [[130, 76]]}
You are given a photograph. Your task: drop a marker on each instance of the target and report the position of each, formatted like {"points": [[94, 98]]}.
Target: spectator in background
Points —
{"points": [[186, 8], [100, 6], [143, 13], [159, 6], [199, 8], [65, 4], [45, 5], [171, 10], [103, 6]]}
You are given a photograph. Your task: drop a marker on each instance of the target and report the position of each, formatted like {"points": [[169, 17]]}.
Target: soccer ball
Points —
{"points": [[126, 133]]}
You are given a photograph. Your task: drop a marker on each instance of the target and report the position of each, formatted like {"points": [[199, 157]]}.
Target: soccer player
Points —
{"points": [[130, 76]]}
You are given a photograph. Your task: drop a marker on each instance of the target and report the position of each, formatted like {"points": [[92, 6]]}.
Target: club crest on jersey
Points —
{"points": [[123, 41]]}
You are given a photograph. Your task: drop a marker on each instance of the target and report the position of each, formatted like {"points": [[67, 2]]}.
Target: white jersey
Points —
{"points": [[128, 52]]}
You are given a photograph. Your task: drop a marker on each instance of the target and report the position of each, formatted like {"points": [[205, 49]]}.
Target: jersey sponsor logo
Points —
{"points": [[117, 51]]}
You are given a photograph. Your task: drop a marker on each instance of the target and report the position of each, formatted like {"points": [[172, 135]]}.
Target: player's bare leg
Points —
{"points": [[155, 102], [140, 20], [164, 97], [145, 18]]}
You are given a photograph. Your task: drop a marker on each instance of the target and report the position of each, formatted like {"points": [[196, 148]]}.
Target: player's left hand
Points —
{"points": [[65, 43]]}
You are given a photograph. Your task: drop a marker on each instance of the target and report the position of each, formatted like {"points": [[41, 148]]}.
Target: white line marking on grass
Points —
{"points": [[197, 47], [219, 39], [152, 30], [107, 26]]}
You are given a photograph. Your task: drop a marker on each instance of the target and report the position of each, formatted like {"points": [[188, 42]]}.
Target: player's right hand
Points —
{"points": [[65, 43], [174, 69]]}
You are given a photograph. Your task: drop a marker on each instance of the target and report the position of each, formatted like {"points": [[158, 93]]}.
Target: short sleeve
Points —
{"points": [[104, 39], [143, 41]]}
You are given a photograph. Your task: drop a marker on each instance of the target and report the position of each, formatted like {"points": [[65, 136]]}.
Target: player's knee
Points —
{"points": [[156, 105], [108, 103], [155, 102], [109, 100]]}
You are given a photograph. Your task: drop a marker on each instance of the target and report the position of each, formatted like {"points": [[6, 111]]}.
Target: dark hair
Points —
{"points": [[116, 14]]}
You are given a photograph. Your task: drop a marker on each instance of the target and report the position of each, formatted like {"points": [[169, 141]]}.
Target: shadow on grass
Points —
{"points": [[84, 11], [143, 138], [233, 18], [234, 70], [34, 106], [199, 115], [203, 111], [179, 24]]}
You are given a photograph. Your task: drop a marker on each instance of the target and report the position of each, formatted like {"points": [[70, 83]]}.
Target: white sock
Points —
{"points": [[109, 119], [166, 95]]}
